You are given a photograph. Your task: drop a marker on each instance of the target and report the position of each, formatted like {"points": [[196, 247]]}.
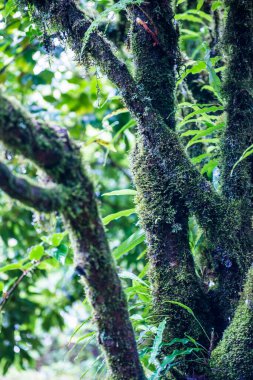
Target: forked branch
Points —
{"points": [[42, 199]]}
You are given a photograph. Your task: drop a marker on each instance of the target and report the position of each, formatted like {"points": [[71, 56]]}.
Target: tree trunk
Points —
{"points": [[74, 197]]}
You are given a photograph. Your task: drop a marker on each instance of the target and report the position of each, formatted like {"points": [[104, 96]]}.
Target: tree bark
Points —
{"points": [[232, 359], [75, 197]]}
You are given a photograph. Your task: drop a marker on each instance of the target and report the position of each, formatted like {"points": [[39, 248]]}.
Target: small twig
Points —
{"points": [[150, 19], [139, 21], [211, 343], [7, 295]]}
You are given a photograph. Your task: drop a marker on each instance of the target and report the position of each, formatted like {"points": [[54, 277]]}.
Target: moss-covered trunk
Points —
{"points": [[73, 196], [95, 264], [237, 184], [232, 359], [163, 214]]}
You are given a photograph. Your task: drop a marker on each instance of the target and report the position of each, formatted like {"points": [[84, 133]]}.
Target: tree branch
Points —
{"points": [[237, 184], [66, 18], [49, 147], [237, 88], [154, 39], [69, 20], [61, 159], [42, 199], [6, 296]]}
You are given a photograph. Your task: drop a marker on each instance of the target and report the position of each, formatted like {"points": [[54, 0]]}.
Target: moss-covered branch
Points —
{"points": [[51, 149], [66, 18], [169, 185], [233, 358], [163, 211], [48, 147], [154, 44], [237, 184], [237, 88], [42, 199], [238, 43]]}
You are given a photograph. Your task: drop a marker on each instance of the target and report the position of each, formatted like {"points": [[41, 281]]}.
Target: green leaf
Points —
{"points": [[188, 17], [14, 266], [128, 125], [129, 275], [196, 68], [115, 113], [157, 341], [78, 328], [201, 157], [118, 215], [144, 270], [190, 311], [214, 80], [127, 245], [59, 253], [203, 141], [209, 167], [204, 111], [120, 5], [120, 192], [170, 359], [216, 5], [111, 98], [142, 254], [180, 2], [208, 131], [57, 238], [9, 7], [201, 14], [183, 306], [202, 133], [1, 286], [36, 252], [177, 340], [201, 119], [200, 4], [245, 154]]}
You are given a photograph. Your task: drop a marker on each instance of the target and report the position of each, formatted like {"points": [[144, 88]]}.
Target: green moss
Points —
{"points": [[237, 91], [156, 56], [164, 218], [233, 358], [169, 188], [238, 135], [48, 146], [157, 175], [96, 266]]}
